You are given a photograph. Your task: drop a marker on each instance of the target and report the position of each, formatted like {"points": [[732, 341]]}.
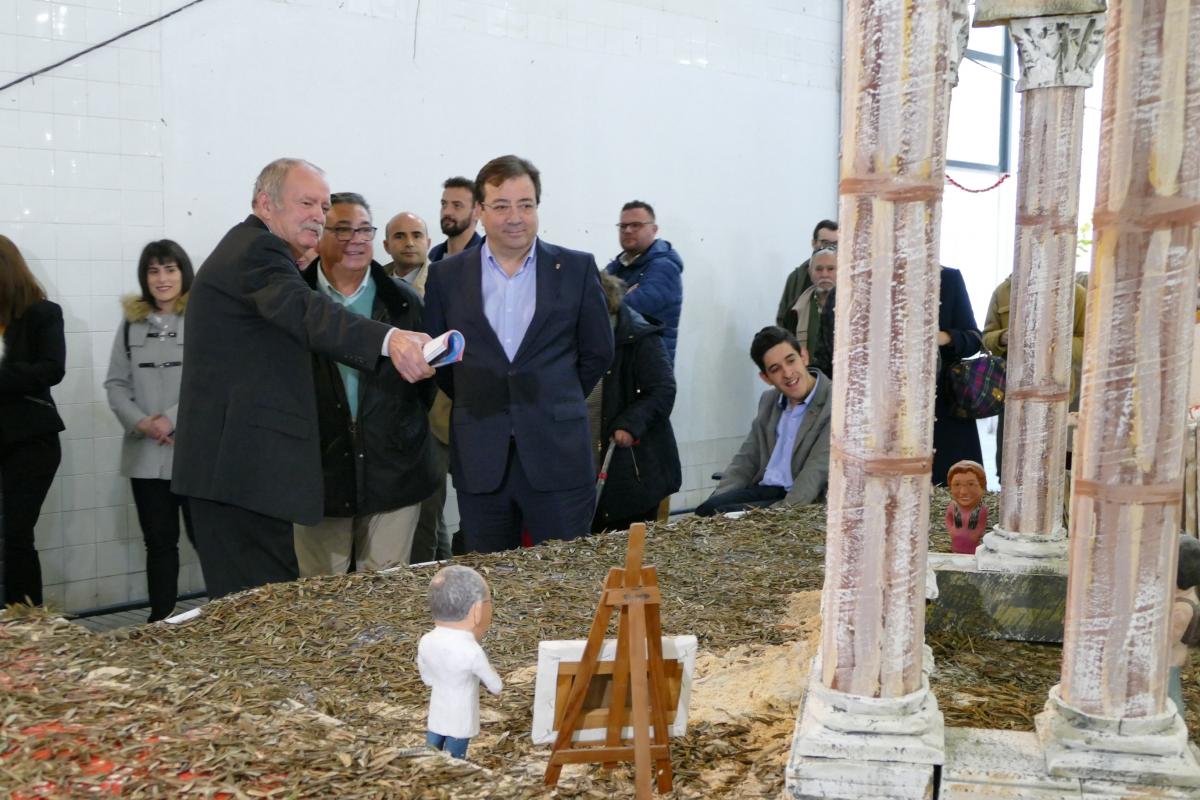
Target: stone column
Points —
{"points": [[1057, 54], [1110, 718], [869, 726]]}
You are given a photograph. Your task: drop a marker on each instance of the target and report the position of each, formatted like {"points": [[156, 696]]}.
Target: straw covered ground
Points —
{"points": [[310, 689]]}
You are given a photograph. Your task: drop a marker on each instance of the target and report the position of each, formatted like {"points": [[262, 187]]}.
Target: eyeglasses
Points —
{"points": [[632, 226], [523, 208], [344, 233]]}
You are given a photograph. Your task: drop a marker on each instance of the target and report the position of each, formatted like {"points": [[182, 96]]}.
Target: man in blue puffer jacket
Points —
{"points": [[652, 270]]}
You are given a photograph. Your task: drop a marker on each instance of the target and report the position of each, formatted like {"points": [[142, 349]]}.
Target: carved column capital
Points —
{"points": [[1057, 51], [960, 27], [999, 12]]}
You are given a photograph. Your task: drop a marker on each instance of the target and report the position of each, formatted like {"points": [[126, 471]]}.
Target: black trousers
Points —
{"points": [[622, 524], [755, 496], [427, 542], [158, 511], [241, 549], [27, 470], [493, 521]]}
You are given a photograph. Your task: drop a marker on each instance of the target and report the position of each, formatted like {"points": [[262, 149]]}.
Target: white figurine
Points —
{"points": [[450, 659]]}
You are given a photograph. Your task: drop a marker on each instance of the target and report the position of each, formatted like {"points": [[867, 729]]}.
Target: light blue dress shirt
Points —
{"points": [[779, 468], [509, 302], [361, 302]]}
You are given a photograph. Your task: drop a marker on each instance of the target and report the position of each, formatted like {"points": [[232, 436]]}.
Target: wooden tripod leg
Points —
{"points": [[620, 686], [583, 676], [620, 681], [634, 551], [643, 766], [659, 700]]}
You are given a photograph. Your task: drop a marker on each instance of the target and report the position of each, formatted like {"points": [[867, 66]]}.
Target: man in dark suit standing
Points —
{"points": [[538, 339], [247, 452]]}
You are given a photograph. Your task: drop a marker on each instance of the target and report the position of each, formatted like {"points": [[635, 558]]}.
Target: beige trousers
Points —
{"points": [[378, 541]]}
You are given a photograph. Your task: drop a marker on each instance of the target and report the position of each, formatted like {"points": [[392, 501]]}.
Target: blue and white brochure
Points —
{"points": [[445, 349]]}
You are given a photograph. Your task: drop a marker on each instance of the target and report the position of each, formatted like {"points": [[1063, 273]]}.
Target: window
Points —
{"points": [[981, 104]]}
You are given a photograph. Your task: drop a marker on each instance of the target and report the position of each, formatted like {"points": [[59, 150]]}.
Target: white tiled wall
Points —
{"points": [[81, 190], [722, 114]]}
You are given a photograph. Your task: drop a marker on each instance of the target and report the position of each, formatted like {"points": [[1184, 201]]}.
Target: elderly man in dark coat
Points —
{"points": [[247, 452]]}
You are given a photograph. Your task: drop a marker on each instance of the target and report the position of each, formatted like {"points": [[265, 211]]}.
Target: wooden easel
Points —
{"points": [[634, 592]]}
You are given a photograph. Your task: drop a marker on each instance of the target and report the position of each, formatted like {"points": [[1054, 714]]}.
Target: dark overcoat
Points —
{"points": [[246, 433]]}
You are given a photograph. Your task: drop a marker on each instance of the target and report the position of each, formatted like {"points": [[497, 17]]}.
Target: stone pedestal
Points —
{"points": [[999, 765], [1026, 606], [1003, 550], [1151, 750], [848, 747], [1010, 765]]}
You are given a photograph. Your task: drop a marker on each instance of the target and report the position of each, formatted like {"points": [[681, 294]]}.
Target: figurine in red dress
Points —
{"points": [[966, 516]]}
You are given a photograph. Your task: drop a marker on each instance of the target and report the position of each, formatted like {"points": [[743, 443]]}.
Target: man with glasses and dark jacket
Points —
{"points": [[376, 450]]}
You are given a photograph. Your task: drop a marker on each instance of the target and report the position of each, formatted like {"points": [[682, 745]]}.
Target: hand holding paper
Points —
{"points": [[407, 352]]}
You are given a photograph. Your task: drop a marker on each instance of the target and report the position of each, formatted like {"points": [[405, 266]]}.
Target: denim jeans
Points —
{"points": [[453, 746]]}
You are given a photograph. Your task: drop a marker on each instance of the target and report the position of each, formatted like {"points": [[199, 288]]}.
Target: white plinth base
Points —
{"points": [[1150, 751], [999, 765], [1010, 551], [847, 747], [848, 779], [1010, 765]]}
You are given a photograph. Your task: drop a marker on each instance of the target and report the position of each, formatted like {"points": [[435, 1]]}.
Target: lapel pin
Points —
{"points": [[557, 265]]}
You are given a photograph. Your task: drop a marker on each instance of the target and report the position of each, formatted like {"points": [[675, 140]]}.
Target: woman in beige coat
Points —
{"points": [[143, 391]]}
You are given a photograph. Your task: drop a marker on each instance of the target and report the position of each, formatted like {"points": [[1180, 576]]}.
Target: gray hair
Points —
{"points": [[349, 198], [820, 251], [271, 179], [453, 591]]}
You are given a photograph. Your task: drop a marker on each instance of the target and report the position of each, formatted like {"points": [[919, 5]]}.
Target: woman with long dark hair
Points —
{"points": [[143, 391], [35, 356]]}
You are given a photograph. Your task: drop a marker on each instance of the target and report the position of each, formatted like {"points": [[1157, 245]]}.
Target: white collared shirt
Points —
{"points": [[452, 664]]}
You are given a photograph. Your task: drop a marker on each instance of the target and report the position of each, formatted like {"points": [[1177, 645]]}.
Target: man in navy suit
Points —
{"points": [[538, 338]]}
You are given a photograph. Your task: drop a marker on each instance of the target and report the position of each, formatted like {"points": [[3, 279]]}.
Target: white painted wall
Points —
{"points": [[721, 114]]}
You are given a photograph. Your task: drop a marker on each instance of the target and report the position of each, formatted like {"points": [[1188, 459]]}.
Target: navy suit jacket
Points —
{"points": [[539, 398]]}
